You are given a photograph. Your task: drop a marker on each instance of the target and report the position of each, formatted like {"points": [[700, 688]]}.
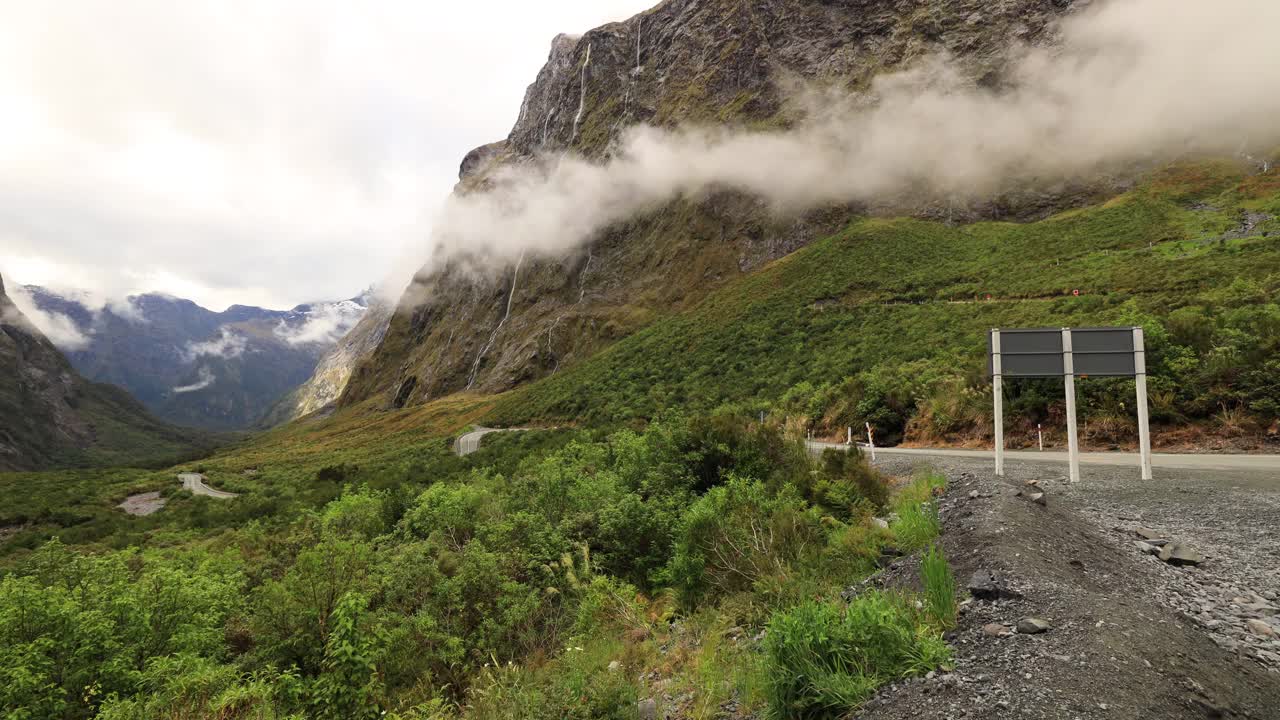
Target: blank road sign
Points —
{"points": [[1039, 352]]}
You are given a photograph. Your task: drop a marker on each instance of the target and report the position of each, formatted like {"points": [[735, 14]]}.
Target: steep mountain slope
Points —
{"points": [[885, 322], [195, 367], [330, 377], [719, 62], [52, 417]]}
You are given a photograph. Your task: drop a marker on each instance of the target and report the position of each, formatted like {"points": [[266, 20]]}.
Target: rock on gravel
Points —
{"points": [[1260, 628], [1033, 626], [1176, 553], [987, 585]]}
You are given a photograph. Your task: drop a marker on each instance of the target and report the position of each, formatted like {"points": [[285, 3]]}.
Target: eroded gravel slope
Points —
{"points": [[1130, 636]]}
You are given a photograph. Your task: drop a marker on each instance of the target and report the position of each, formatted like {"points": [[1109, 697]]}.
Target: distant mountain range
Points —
{"points": [[189, 365], [50, 416]]}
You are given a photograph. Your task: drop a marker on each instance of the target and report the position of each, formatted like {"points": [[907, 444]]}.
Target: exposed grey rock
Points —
{"points": [[1146, 548], [987, 585], [1260, 628], [880, 523], [615, 666], [973, 494], [1176, 553], [1148, 534], [1032, 626], [647, 709], [996, 630], [1038, 498]]}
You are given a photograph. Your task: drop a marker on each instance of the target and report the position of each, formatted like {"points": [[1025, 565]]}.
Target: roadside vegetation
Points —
{"points": [[697, 563], [886, 323]]}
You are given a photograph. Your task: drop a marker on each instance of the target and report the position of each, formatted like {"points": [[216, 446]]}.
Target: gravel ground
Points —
{"points": [[1129, 636]]}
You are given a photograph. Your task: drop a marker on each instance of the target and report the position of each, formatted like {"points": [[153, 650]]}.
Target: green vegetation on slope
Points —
{"points": [[500, 585], [886, 321]]}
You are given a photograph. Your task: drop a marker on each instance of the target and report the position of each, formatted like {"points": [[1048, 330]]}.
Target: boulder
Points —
{"points": [[987, 585], [1176, 553], [1032, 626], [996, 630], [1261, 628], [1146, 548]]}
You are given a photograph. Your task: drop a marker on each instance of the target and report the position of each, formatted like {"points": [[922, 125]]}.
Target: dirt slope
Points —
{"points": [[1130, 637]]}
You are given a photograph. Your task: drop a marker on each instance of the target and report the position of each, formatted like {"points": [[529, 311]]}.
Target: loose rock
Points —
{"points": [[1175, 553], [1261, 628], [1038, 498], [647, 709], [996, 630], [987, 585], [1032, 626]]}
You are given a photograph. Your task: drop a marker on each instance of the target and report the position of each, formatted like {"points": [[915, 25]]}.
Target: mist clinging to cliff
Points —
{"points": [[1131, 81]]}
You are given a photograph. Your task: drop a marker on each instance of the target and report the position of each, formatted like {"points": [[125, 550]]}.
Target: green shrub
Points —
{"points": [[738, 535], [824, 659], [939, 587]]}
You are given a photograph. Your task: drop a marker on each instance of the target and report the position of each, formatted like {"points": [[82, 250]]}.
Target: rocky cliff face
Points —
{"points": [[322, 390], [699, 61]]}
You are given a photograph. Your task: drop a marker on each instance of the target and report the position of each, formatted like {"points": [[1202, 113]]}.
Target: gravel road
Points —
{"points": [[194, 482]]}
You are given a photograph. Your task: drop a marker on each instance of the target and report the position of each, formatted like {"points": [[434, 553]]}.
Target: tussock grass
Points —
{"points": [[916, 522], [825, 659], [939, 588]]}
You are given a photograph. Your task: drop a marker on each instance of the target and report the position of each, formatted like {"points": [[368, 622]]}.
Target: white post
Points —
{"points": [[997, 391], [1144, 422], [871, 442], [1069, 378], [1040, 436], [850, 439]]}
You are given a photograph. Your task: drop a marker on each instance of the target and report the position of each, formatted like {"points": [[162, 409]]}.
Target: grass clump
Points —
{"points": [[939, 587], [825, 659], [916, 524]]}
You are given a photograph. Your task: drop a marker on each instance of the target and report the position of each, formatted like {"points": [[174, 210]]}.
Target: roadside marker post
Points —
{"points": [[1040, 435], [1069, 377], [1144, 422], [997, 390], [871, 442], [850, 440]]}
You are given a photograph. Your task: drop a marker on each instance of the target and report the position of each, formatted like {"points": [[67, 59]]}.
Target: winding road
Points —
{"points": [[195, 483], [470, 442], [1162, 460]]}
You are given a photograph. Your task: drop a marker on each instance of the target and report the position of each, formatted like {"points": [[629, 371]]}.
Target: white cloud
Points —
{"points": [[206, 379], [250, 152], [61, 330], [324, 324], [228, 344], [1123, 89]]}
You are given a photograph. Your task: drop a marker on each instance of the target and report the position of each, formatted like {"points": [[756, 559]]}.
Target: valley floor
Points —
{"points": [[1130, 636]]}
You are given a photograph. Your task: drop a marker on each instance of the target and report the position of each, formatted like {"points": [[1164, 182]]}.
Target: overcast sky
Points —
{"points": [[267, 152]]}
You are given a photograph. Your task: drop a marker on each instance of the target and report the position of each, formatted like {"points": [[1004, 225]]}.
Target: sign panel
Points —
{"points": [[1039, 352]]}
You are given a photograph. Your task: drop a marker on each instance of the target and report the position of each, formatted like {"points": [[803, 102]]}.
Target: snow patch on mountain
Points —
{"points": [[324, 323]]}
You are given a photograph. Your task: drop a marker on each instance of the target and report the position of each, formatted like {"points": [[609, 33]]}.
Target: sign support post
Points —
{"points": [[1144, 421], [1069, 378], [997, 390]]}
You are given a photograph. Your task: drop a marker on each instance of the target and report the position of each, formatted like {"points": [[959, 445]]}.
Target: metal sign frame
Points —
{"points": [[1067, 353]]}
